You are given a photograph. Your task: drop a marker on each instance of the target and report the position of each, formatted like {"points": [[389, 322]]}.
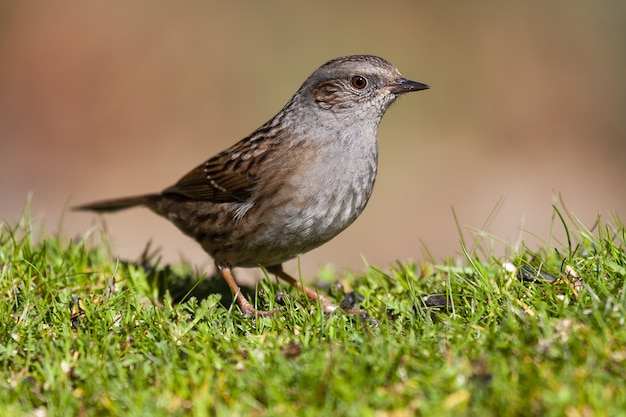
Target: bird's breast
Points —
{"points": [[323, 195]]}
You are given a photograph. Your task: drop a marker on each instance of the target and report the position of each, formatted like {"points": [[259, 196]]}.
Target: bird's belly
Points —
{"points": [[306, 221]]}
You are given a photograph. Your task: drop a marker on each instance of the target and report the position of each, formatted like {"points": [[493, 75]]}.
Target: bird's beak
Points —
{"points": [[402, 85]]}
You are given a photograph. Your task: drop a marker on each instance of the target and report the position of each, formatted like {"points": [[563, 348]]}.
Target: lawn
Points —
{"points": [[538, 333]]}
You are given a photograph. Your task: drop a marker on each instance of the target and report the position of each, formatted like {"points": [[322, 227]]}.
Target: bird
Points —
{"points": [[291, 185]]}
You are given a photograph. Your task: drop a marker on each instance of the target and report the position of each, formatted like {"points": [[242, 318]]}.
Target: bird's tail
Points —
{"points": [[118, 203]]}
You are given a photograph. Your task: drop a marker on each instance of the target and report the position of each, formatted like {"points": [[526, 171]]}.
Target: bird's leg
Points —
{"points": [[327, 306], [247, 308]]}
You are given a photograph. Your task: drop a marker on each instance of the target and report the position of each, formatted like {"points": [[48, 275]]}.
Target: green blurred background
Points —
{"points": [[528, 101]]}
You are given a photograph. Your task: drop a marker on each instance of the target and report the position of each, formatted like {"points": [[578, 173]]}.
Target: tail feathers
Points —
{"points": [[118, 203]]}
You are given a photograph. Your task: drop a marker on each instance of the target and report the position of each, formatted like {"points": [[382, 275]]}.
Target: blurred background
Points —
{"points": [[528, 102]]}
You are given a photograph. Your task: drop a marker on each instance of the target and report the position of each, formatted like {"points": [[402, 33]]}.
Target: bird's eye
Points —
{"points": [[358, 82]]}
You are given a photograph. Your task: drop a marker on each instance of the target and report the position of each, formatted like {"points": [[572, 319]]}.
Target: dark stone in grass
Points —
{"points": [[435, 301], [350, 304], [529, 274], [280, 297], [350, 300]]}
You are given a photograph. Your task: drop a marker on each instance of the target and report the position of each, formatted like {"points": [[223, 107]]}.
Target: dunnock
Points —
{"points": [[294, 183]]}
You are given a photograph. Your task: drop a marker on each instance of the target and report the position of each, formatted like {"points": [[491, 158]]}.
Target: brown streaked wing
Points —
{"points": [[221, 179]]}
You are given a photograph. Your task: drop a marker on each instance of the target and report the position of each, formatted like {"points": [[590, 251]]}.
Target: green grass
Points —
{"points": [[81, 334]]}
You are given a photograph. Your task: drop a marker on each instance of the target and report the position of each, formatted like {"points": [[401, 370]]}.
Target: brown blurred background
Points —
{"points": [[528, 101]]}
